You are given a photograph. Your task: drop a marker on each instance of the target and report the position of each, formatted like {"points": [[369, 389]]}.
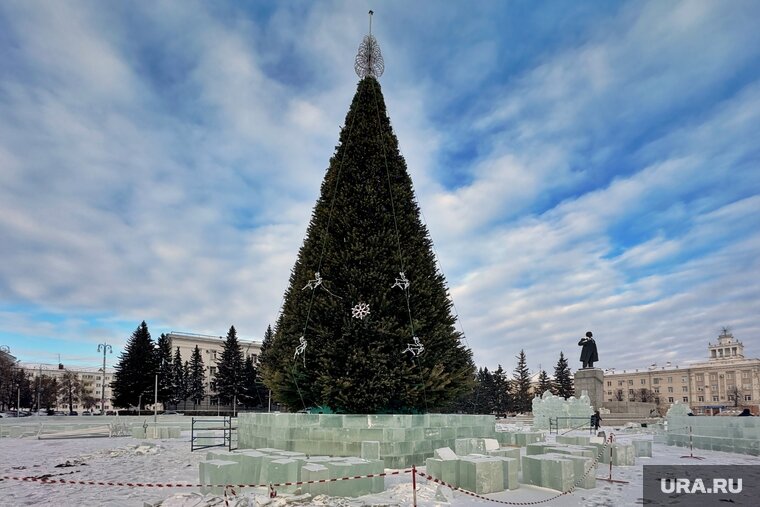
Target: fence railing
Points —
{"points": [[554, 424], [199, 439]]}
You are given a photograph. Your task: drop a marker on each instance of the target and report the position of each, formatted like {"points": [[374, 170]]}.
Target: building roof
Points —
{"points": [[206, 337]]}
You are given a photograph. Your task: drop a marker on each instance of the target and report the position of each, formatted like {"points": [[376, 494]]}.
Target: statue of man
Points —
{"points": [[588, 352]]}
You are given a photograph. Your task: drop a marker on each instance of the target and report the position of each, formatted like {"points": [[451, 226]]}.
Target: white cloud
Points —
{"points": [[610, 185]]}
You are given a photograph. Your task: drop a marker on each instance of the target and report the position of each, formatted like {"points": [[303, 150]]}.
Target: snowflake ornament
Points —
{"points": [[360, 311], [402, 283]]}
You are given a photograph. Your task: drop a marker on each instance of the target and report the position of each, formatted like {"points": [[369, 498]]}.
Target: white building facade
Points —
{"points": [[211, 348]]}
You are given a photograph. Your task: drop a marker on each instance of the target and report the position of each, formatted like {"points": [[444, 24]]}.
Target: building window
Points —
{"points": [[212, 371], [684, 379], [729, 376], [656, 380], [699, 389], [670, 399], [657, 400], [213, 355], [670, 389], [630, 382], [609, 383], [685, 389], [700, 398], [745, 374], [657, 390], [620, 382], [713, 377], [714, 387], [747, 397], [715, 398], [609, 393], [643, 382], [670, 380], [630, 391], [699, 377], [685, 399]]}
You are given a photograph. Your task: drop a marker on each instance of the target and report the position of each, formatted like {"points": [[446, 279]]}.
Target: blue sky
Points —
{"points": [[580, 166]]}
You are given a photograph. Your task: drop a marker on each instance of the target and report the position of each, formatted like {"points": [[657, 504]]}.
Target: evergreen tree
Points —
{"points": [[179, 379], [544, 383], [254, 392], [196, 382], [229, 376], [501, 396], [522, 398], [165, 370], [484, 395], [266, 342], [365, 231], [563, 382], [135, 371]]}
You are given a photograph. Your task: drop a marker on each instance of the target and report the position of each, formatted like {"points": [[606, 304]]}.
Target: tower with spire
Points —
{"points": [[367, 324]]}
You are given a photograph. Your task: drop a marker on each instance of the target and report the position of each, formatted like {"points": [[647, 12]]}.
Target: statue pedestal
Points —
{"points": [[590, 380]]}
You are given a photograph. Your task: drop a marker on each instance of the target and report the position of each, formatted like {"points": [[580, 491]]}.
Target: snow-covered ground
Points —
{"points": [[124, 460]]}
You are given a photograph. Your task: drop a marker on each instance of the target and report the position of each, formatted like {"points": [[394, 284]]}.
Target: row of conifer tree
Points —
{"points": [[181, 383]]}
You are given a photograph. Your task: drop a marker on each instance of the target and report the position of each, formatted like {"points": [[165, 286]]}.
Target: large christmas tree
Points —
{"points": [[365, 302]]}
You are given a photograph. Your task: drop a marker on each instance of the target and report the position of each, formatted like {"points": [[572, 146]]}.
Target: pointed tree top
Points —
{"points": [[369, 59]]}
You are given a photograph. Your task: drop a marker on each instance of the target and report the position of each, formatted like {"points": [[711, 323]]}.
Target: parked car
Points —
{"points": [[111, 412], [73, 412], [86, 412], [60, 412]]}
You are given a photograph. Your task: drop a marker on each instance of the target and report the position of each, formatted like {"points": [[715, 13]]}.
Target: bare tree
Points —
{"points": [[734, 393], [70, 388], [645, 395], [619, 395]]}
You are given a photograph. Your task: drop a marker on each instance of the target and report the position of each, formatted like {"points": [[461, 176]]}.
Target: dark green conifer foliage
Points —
{"points": [[229, 376], [484, 392], [135, 371], [179, 379], [352, 365], [521, 383], [254, 393], [165, 370], [501, 397], [544, 383], [563, 381], [196, 378]]}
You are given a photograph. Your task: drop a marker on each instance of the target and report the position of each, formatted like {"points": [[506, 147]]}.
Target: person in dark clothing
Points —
{"points": [[588, 352], [595, 420], [745, 413]]}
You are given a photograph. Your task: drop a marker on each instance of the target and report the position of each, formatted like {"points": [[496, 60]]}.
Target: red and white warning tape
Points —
{"points": [[48, 480]]}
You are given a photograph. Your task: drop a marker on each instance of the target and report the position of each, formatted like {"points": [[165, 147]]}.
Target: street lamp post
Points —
{"points": [[155, 402], [105, 347], [39, 388]]}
